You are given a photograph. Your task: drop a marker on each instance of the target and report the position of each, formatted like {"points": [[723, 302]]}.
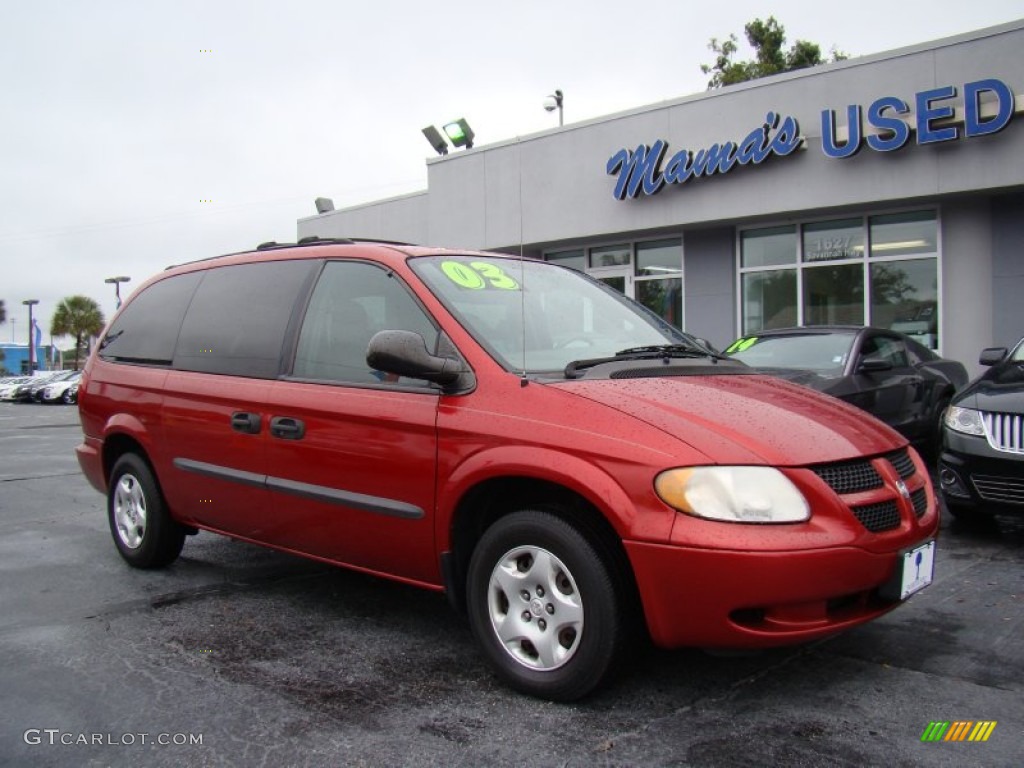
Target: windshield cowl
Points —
{"points": [[663, 352], [654, 367]]}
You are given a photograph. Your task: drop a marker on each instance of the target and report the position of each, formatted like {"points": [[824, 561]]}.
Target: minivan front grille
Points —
{"points": [[919, 499], [849, 476], [902, 463], [883, 516], [1004, 431]]}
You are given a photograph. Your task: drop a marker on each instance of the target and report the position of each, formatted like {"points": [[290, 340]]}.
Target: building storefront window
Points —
{"points": [[878, 270], [650, 272], [573, 259]]}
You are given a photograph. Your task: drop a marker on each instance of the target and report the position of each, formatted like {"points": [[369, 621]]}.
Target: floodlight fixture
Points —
{"points": [[436, 140], [324, 205], [460, 134]]}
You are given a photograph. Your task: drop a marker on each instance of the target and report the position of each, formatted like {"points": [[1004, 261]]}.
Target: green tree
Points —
{"points": [[767, 39], [77, 316]]}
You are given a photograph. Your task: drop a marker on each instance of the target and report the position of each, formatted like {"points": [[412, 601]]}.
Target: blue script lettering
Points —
{"points": [[641, 169]]}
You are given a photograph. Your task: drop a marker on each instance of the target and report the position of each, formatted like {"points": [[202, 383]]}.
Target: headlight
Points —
{"points": [[733, 494], [966, 420]]}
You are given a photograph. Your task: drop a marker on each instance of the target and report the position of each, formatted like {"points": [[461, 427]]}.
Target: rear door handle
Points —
{"points": [[248, 423], [287, 428]]}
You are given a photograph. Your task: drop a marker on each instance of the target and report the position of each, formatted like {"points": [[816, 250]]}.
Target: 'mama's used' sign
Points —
{"points": [[988, 107]]}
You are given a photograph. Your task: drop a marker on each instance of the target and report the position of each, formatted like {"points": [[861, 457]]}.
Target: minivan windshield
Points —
{"points": [[568, 316]]}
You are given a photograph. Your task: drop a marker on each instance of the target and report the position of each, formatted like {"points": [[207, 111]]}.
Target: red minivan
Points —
{"points": [[561, 462]]}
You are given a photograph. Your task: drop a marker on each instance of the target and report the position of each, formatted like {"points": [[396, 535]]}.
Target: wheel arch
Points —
{"points": [[116, 445], [493, 498]]}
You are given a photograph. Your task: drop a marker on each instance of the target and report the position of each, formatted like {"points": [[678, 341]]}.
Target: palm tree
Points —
{"points": [[77, 316]]}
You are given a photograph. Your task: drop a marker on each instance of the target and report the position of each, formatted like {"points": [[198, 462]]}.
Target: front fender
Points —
{"points": [[643, 517]]}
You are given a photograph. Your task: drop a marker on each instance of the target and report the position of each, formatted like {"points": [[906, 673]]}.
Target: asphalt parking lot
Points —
{"points": [[242, 656]]}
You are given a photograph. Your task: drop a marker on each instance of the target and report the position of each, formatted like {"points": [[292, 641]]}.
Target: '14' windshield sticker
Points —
{"points": [[741, 344]]}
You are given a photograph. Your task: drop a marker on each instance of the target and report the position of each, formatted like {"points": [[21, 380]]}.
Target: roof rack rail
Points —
{"points": [[270, 245], [314, 239]]}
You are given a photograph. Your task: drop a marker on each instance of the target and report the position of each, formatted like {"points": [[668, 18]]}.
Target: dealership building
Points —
{"points": [[884, 190]]}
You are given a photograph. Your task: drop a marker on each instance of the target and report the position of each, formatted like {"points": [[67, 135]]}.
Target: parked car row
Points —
{"points": [[981, 469], [888, 374], [974, 431], [47, 387]]}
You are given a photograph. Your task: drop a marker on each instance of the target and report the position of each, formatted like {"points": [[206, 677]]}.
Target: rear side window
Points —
{"points": [[147, 331], [239, 317]]}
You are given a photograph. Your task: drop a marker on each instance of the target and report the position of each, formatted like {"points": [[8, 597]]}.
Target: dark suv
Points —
{"points": [[554, 457], [981, 470]]}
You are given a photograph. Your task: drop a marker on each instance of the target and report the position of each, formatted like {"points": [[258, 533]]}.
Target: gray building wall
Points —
{"points": [[709, 296], [553, 188], [966, 301], [1007, 269]]}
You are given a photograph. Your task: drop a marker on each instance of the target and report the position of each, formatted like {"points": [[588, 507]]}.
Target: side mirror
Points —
{"points": [[992, 355], [874, 365], [405, 353]]}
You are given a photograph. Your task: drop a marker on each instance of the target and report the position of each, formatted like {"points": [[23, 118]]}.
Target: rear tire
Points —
{"points": [[143, 530], [544, 606]]}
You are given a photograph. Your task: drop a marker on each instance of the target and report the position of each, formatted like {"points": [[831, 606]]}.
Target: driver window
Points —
{"points": [[886, 348], [352, 301]]}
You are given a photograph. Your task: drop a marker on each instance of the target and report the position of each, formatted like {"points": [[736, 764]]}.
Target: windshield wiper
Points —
{"points": [[110, 339], [652, 352], [668, 350]]}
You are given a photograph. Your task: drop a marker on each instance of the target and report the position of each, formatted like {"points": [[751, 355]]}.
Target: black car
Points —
{"points": [[886, 373], [981, 469]]}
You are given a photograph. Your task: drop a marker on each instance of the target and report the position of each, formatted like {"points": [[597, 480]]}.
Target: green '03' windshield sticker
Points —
{"points": [[741, 344], [478, 275]]}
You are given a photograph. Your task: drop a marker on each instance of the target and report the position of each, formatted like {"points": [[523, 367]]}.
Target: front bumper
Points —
{"points": [[973, 474], [741, 599]]}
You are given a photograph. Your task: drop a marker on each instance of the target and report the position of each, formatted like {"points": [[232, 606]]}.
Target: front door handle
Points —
{"points": [[248, 423], [287, 428]]}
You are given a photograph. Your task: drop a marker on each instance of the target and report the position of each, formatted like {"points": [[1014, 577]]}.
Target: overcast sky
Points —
{"points": [[121, 118]]}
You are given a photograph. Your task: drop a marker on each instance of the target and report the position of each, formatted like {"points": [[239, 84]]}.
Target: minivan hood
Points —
{"points": [[749, 419]]}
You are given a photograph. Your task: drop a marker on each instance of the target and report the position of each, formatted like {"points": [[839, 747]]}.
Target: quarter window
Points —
{"points": [[146, 332]]}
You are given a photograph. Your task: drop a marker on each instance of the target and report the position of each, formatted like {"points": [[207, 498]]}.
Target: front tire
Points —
{"points": [[143, 530], [544, 606]]}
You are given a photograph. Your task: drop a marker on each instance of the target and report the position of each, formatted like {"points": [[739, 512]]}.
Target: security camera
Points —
{"points": [[550, 105]]}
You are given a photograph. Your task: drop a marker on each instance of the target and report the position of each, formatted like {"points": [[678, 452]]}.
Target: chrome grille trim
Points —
{"points": [[1004, 431], [1005, 490]]}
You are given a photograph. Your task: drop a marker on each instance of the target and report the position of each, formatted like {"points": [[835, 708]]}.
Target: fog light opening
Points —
{"points": [[951, 482]]}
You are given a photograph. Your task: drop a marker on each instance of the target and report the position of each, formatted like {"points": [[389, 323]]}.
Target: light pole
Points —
{"points": [[117, 286], [553, 102], [31, 341]]}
